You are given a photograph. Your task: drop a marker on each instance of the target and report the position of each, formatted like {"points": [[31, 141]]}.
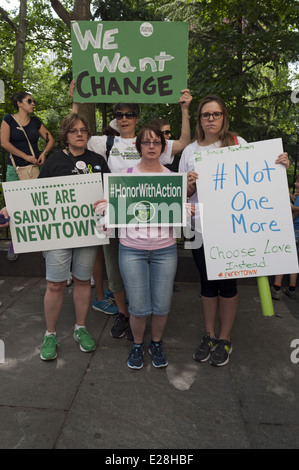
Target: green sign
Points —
{"points": [[148, 199], [133, 62]]}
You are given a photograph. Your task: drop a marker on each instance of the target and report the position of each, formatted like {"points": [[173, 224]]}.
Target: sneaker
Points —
{"points": [[159, 358], [106, 305], [48, 351], [220, 355], [84, 339], [275, 294], [69, 280], [135, 359], [11, 255], [290, 293], [120, 326], [207, 344]]}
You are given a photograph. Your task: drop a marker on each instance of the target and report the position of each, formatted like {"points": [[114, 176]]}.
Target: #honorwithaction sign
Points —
{"points": [[247, 221], [54, 213], [133, 62], [147, 199]]}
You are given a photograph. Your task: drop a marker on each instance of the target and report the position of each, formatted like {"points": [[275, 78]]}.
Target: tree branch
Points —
{"points": [[61, 12], [9, 21]]}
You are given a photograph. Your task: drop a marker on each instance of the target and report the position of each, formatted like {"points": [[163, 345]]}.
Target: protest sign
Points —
{"points": [[147, 199], [247, 222], [129, 61], [53, 213]]}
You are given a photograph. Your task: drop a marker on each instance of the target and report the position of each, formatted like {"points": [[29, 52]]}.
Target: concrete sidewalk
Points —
{"points": [[94, 401]]}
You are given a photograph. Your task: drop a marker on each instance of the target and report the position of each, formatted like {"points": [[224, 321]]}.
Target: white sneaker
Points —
{"points": [[69, 280]]}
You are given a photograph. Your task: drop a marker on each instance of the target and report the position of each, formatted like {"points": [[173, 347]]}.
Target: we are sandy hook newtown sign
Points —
{"points": [[133, 62]]}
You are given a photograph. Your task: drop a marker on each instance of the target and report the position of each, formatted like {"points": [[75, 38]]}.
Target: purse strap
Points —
{"points": [[30, 146]]}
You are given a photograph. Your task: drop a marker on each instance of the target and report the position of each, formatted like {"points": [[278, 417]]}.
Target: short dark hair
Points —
{"points": [[160, 123], [18, 97], [133, 107], [68, 123], [154, 130]]}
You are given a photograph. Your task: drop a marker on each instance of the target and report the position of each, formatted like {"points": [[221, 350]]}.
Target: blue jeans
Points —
{"points": [[148, 276]]}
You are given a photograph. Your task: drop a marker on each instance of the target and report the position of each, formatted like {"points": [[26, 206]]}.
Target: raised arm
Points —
{"points": [[75, 107], [185, 138]]}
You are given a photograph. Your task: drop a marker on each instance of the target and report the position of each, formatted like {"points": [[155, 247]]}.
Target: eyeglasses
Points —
{"points": [[128, 115], [76, 131], [206, 116], [166, 132], [147, 143]]}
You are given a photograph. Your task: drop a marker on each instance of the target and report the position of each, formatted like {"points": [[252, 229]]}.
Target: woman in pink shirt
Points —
{"points": [[148, 263]]}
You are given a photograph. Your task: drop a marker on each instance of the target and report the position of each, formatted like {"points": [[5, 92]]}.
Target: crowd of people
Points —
{"points": [[140, 268]]}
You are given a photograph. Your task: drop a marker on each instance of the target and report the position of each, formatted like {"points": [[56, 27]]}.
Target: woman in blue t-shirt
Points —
{"points": [[15, 142]]}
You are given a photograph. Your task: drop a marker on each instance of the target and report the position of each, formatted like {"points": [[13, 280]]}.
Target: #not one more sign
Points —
{"points": [[133, 62], [247, 221]]}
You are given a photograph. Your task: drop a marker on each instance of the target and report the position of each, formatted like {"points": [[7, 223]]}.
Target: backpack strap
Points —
{"points": [[236, 140], [109, 144]]}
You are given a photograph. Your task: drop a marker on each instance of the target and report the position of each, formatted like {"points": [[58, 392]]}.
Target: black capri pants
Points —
{"points": [[226, 288]]}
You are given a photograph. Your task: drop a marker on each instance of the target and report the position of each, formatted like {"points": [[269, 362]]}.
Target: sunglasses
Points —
{"points": [[128, 115], [166, 132], [29, 101]]}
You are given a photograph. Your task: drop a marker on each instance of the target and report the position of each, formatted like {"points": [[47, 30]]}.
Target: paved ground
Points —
{"points": [[94, 401]]}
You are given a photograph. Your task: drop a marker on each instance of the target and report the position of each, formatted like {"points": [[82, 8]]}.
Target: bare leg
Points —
{"points": [[138, 325], [228, 310], [98, 273], [120, 300], [53, 302], [158, 326], [210, 311], [82, 294]]}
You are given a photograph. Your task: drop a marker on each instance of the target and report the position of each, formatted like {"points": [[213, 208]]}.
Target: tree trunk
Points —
{"points": [[21, 35], [81, 12]]}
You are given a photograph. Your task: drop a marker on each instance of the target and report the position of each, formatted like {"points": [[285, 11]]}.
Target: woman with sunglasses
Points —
{"points": [[217, 297], [122, 155], [14, 141]]}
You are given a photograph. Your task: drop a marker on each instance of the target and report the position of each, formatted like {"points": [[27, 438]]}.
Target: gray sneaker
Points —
{"points": [[207, 345], [290, 293], [275, 294]]}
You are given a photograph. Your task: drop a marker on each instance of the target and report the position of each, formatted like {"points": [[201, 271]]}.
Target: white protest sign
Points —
{"points": [[54, 213], [247, 222]]}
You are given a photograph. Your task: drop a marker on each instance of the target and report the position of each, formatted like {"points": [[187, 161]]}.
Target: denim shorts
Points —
{"points": [[148, 276], [80, 261]]}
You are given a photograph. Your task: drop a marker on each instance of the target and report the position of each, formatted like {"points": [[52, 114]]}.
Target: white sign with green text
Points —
{"points": [[54, 213], [247, 221]]}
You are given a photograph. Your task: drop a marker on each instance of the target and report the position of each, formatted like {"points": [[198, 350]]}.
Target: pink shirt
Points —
{"points": [[147, 238]]}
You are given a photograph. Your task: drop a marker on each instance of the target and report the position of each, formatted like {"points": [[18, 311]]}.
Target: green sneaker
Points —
{"points": [[48, 351], [84, 339]]}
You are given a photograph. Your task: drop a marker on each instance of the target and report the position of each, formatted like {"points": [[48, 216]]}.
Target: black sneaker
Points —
{"points": [[120, 325], [207, 344], [220, 355], [135, 359], [159, 358]]}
